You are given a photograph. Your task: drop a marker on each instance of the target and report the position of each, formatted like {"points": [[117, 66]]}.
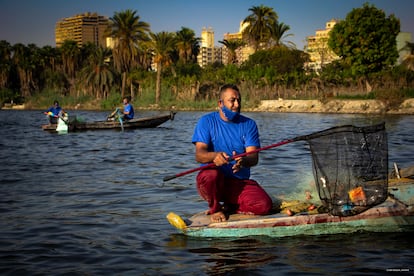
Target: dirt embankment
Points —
{"points": [[334, 106]]}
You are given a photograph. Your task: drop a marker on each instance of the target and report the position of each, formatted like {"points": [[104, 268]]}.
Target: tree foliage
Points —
{"points": [[162, 44], [187, 44], [279, 33], [97, 73], [259, 25], [366, 40], [282, 59], [128, 32]]}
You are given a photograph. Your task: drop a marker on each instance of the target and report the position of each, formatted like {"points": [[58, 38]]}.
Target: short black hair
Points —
{"points": [[227, 86]]}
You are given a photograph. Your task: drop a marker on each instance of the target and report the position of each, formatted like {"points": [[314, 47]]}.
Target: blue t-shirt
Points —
{"points": [[130, 109], [55, 110], [225, 136]]}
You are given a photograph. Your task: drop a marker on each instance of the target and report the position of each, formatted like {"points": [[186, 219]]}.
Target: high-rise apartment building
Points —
{"points": [[82, 28], [207, 53], [318, 49], [207, 37]]}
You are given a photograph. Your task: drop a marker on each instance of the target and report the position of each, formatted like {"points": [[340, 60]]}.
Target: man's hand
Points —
{"points": [[239, 163], [220, 159]]}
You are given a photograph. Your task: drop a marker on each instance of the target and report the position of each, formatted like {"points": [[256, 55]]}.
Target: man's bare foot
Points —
{"points": [[218, 217]]}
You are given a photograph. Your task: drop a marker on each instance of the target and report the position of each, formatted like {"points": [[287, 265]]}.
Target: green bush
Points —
{"points": [[113, 101], [7, 95]]}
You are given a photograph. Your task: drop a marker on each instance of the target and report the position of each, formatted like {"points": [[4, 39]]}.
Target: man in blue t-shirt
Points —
{"points": [[217, 137], [53, 112], [128, 109], [126, 114]]}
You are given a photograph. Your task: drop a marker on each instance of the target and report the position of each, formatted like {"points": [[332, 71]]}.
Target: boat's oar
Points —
{"points": [[122, 123], [210, 165], [118, 113]]}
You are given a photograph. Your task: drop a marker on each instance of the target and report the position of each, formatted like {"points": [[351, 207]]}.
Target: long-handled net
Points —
{"points": [[350, 166]]}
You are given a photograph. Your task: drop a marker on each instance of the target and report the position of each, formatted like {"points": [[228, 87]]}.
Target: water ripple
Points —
{"points": [[93, 203]]}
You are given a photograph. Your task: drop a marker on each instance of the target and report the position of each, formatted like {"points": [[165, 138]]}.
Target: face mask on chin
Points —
{"points": [[229, 114]]}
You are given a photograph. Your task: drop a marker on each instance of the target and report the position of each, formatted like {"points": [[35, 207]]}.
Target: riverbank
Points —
{"points": [[298, 106], [334, 106]]}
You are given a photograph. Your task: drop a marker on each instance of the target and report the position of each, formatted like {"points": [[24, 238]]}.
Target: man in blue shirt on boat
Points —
{"points": [[127, 113], [217, 137], [128, 109], [53, 112]]}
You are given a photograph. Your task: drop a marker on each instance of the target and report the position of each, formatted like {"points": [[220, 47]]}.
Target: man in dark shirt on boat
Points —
{"points": [[218, 136]]}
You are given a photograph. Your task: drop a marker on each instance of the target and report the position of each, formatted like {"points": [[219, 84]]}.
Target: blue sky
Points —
{"points": [[33, 21]]}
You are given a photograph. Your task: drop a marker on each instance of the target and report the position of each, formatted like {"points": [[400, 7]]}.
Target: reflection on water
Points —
{"points": [[94, 202], [361, 253], [224, 256]]}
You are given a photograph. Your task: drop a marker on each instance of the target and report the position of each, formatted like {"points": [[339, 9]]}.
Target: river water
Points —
{"points": [[94, 202]]}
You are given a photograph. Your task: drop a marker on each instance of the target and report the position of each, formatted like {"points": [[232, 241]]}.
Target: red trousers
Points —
{"points": [[246, 195]]}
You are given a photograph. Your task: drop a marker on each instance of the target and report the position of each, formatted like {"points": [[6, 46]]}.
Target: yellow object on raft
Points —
{"points": [[176, 221]]}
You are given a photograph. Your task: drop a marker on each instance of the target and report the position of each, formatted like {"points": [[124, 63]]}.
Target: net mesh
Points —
{"points": [[350, 166]]}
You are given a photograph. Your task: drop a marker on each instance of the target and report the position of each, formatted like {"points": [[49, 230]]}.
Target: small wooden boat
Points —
{"points": [[395, 214], [147, 122]]}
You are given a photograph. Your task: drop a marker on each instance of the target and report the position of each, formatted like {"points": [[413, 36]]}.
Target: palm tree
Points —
{"points": [[5, 63], [52, 73], [70, 60], [187, 44], [232, 46], [98, 73], [279, 33], [24, 57], [87, 50], [36, 66], [259, 25], [128, 32], [144, 58], [162, 44], [50, 57], [195, 49]]}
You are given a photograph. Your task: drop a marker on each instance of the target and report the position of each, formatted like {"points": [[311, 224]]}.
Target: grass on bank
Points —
{"points": [[146, 100]]}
